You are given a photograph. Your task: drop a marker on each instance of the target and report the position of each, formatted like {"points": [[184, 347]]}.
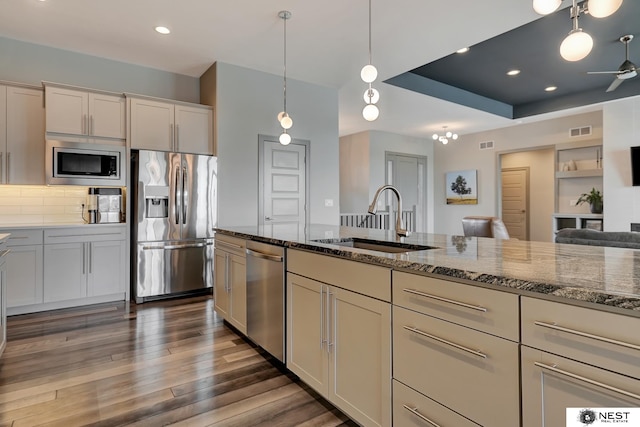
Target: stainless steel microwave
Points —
{"points": [[79, 163]]}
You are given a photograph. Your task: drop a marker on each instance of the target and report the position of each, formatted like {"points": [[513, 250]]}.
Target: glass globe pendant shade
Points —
{"points": [[370, 112], [545, 7], [281, 114], [444, 141], [286, 122], [448, 134], [369, 73], [371, 96], [435, 136], [576, 45], [285, 138], [455, 136], [603, 8]]}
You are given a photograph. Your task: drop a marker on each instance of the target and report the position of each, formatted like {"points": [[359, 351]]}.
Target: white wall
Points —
{"points": [[622, 130], [247, 104], [465, 154], [31, 64], [363, 168]]}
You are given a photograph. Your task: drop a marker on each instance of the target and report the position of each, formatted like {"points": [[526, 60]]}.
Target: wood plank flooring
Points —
{"points": [[161, 363]]}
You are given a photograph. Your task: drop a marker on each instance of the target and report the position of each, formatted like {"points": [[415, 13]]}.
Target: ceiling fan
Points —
{"points": [[626, 71]]}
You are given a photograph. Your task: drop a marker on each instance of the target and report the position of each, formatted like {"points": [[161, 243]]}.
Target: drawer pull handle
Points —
{"points": [[415, 412], [450, 301], [587, 335], [587, 380], [442, 340], [229, 245]]}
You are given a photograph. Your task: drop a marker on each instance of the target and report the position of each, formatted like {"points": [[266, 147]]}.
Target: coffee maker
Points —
{"points": [[105, 205]]}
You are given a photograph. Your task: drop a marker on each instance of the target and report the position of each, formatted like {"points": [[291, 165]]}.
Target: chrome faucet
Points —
{"points": [[400, 230]]}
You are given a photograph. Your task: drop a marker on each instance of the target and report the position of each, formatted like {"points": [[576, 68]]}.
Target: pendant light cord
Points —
{"points": [[370, 62], [285, 17]]}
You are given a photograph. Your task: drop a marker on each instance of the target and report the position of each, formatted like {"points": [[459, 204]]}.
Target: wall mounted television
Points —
{"points": [[635, 166]]}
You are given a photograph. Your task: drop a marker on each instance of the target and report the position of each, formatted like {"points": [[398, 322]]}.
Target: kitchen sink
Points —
{"points": [[375, 245]]}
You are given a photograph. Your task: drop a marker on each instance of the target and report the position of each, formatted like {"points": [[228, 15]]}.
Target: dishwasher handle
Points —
{"points": [[256, 254]]}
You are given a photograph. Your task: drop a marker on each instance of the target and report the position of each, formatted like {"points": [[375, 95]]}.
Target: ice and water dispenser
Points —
{"points": [[156, 201]]}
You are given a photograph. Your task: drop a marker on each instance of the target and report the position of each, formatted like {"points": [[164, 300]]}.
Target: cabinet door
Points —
{"points": [[106, 116], [152, 125], [238, 286], [551, 383], [24, 275], [360, 348], [64, 271], [3, 134], [307, 354], [106, 264], [220, 295], [25, 136], [194, 130], [67, 110], [3, 305]]}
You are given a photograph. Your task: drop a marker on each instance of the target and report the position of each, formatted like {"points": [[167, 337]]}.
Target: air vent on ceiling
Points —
{"points": [[486, 145], [585, 130]]}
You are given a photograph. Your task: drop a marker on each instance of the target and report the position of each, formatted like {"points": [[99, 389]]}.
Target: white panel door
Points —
{"points": [[408, 175], [515, 184], [284, 181]]}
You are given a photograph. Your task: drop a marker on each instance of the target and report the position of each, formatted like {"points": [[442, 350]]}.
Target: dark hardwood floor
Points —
{"points": [[162, 363]]}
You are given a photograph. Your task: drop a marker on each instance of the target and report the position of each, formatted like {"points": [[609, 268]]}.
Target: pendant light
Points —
{"points": [[285, 120], [369, 74]]}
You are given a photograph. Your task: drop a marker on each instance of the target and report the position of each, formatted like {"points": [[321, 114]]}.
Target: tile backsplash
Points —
{"points": [[40, 204]]}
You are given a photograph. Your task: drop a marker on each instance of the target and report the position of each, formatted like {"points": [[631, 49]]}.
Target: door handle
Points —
{"points": [[171, 136], [268, 218], [275, 258], [415, 412], [177, 146], [443, 341], [182, 201], [330, 322], [322, 339], [1, 168], [176, 209], [8, 168], [84, 258]]}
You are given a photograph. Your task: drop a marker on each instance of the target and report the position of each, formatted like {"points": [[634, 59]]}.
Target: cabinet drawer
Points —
{"points": [[232, 245], [84, 234], [486, 310], [455, 366], [366, 279], [23, 237], [551, 383], [410, 408], [603, 339]]}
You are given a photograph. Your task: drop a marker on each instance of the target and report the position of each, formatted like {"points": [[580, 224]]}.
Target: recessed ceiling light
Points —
{"points": [[513, 72], [463, 50], [163, 30], [550, 88]]}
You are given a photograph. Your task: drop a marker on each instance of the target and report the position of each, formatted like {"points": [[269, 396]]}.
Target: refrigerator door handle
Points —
{"points": [[176, 207], [182, 201]]}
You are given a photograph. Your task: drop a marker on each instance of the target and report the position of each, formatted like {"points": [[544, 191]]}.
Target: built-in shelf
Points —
{"points": [[569, 220], [584, 173]]}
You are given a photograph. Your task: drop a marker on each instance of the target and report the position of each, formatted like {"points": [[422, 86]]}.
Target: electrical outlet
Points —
{"points": [[328, 203], [573, 202]]}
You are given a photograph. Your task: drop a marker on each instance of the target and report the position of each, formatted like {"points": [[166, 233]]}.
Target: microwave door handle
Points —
{"points": [[183, 202]]}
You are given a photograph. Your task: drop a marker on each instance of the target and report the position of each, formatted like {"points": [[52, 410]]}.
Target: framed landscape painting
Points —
{"points": [[462, 187]]}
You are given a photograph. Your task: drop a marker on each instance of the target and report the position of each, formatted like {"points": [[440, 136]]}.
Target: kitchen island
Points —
{"points": [[451, 320]]}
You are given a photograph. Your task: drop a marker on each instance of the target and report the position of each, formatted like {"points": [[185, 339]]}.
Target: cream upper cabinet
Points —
{"points": [[194, 129], [21, 136], [82, 113], [167, 126]]}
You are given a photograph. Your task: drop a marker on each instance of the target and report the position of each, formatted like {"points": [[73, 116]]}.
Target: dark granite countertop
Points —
{"points": [[573, 273]]}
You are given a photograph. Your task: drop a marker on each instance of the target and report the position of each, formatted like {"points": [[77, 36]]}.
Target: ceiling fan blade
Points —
{"points": [[603, 72], [614, 85]]}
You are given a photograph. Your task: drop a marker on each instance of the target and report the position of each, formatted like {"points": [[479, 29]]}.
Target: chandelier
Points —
{"points": [[446, 135], [578, 44]]}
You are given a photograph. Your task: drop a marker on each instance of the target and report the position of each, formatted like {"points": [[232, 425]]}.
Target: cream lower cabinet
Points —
{"points": [[575, 357], [81, 263], [3, 298], [339, 343], [24, 267], [230, 281]]}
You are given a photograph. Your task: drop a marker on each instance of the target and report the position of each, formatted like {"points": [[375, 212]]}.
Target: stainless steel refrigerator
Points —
{"points": [[174, 213]]}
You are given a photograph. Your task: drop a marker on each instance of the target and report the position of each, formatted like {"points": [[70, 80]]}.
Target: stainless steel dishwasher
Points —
{"points": [[266, 297]]}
